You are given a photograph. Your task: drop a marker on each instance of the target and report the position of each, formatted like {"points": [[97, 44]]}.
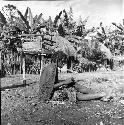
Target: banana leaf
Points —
{"points": [[119, 27], [29, 17], [39, 18], [23, 18], [50, 23], [35, 18], [2, 19], [20, 24], [57, 18]]}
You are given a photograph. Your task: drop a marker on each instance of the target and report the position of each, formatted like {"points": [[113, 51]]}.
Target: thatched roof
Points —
{"points": [[57, 43]]}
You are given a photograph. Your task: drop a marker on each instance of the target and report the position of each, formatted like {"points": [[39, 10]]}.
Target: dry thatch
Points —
{"points": [[60, 44]]}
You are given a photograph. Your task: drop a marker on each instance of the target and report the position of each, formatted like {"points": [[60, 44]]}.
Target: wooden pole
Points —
{"points": [[0, 67], [23, 67], [14, 64], [41, 55], [20, 59], [71, 64], [41, 65]]}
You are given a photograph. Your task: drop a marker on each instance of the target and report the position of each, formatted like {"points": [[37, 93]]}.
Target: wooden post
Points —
{"points": [[41, 65], [20, 59], [68, 63], [71, 64], [0, 67], [14, 63], [41, 55], [23, 67]]}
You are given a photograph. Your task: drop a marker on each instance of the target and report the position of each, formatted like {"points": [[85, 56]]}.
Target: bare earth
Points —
{"points": [[20, 106]]}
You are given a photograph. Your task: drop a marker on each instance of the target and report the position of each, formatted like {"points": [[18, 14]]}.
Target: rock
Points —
{"points": [[47, 81]]}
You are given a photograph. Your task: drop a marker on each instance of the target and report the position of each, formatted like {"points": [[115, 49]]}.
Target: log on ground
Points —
{"points": [[83, 89], [85, 97]]}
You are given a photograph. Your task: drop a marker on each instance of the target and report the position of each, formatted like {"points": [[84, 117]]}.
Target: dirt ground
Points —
{"points": [[20, 106]]}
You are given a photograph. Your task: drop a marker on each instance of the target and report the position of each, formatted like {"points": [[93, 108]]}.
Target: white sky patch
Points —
{"points": [[123, 9], [106, 11]]}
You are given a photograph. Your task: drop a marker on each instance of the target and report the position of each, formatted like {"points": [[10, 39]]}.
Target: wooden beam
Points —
{"points": [[22, 35]]}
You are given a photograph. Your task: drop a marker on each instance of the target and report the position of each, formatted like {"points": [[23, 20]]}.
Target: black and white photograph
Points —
{"points": [[62, 62]]}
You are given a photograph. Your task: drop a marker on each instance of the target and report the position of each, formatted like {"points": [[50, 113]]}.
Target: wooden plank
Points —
{"points": [[23, 35]]}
